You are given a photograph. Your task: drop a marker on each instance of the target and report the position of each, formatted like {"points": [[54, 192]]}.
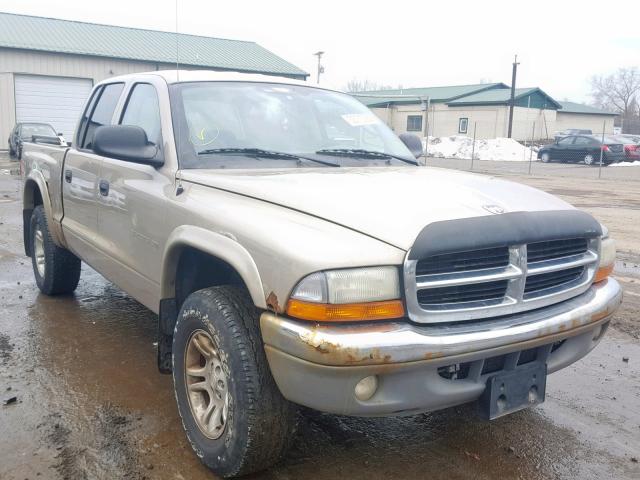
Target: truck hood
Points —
{"points": [[392, 204]]}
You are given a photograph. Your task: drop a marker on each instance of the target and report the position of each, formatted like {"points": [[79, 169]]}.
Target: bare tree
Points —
{"points": [[618, 91], [357, 85]]}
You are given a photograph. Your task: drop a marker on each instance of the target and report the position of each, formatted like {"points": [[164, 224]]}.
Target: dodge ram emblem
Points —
{"points": [[496, 209]]}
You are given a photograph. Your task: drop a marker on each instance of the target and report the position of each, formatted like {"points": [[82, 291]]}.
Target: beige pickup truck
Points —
{"points": [[297, 254]]}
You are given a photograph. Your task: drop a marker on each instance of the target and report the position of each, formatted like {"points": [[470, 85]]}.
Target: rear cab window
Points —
{"points": [[99, 113]]}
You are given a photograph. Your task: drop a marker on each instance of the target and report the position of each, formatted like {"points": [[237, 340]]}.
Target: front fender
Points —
{"points": [[217, 245]]}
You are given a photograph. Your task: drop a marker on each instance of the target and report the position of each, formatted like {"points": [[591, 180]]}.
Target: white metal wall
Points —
{"points": [[57, 101], [18, 62], [579, 120], [7, 108]]}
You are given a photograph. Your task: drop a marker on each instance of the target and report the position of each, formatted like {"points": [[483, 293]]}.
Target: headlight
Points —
{"points": [[353, 294], [607, 256]]}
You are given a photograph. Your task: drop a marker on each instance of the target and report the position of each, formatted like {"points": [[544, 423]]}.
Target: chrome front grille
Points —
{"points": [[555, 249], [490, 282], [464, 261]]}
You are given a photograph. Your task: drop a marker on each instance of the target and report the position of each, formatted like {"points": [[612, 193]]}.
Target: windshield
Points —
{"points": [[29, 129], [242, 125]]}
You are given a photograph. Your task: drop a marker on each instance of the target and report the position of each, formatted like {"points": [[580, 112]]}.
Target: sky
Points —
{"points": [[560, 44]]}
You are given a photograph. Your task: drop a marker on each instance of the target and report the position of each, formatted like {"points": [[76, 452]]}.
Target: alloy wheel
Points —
{"points": [[38, 247], [206, 382]]}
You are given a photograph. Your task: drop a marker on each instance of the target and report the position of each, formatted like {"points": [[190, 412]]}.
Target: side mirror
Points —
{"points": [[413, 143], [126, 142]]}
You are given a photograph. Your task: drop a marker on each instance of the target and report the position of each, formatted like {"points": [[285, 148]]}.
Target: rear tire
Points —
{"points": [[56, 269], [232, 411]]}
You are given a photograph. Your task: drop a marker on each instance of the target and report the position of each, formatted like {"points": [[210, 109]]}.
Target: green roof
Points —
{"points": [[502, 96], [80, 38], [572, 107], [415, 95]]}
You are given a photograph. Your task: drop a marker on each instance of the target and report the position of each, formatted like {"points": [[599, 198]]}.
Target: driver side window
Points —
{"points": [[143, 110]]}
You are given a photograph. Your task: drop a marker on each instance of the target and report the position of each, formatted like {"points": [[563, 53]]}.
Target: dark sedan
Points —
{"points": [[26, 131], [583, 149]]}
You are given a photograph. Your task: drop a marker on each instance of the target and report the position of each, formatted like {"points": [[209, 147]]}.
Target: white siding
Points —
{"points": [[580, 120], [7, 109], [64, 65], [490, 121], [95, 69]]}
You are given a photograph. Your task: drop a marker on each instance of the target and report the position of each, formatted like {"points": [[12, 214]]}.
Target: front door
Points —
{"points": [[562, 150], [133, 226]]}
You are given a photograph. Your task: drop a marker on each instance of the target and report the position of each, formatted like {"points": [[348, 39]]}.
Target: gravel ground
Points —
{"points": [[90, 404]]}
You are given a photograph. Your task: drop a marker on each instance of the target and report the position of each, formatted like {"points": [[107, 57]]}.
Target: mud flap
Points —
{"points": [[166, 323], [514, 390]]}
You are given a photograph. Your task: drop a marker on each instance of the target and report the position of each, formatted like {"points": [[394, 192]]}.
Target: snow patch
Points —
{"points": [[499, 149], [626, 164]]}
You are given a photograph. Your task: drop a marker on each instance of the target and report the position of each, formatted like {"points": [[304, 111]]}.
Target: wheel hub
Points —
{"points": [[38, 247], [206, 383]]}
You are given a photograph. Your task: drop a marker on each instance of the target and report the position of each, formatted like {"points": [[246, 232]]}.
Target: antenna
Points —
{"points": [[177, 46], [178, 140]]}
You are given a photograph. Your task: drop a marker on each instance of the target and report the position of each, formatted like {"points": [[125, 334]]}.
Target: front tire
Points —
{"points": [[589, 159], [57, 270], [232, 411], [545, 157]]}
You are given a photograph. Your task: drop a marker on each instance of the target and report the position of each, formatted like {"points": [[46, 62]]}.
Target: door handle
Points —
{"points": [[104, 188], [68, 175]]}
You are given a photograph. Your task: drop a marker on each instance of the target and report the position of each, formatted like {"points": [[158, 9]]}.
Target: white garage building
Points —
{"points": [[48, 66], [461, 109]]}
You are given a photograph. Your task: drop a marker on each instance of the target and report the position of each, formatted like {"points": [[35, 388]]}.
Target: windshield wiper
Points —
{"points": [[360, 153], [259, 152]]}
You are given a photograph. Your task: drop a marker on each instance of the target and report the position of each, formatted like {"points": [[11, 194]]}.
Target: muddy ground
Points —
{"points": [[91, 404]]}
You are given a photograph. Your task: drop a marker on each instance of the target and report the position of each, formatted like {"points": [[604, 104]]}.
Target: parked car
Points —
{"points": [[572, 131], [287, 269], [631, 146], [583, 148], [26, 131]]}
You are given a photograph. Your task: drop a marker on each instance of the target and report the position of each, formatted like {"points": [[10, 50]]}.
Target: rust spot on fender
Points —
{"points": [[599, 315], [432, 355], [272, 303]]}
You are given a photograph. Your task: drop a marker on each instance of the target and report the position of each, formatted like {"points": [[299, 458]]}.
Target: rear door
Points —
{"points": [[81, 173], [583, 146]]}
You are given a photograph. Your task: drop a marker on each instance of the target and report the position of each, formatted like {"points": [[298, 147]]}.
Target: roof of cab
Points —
{"points": [[185, 76]]}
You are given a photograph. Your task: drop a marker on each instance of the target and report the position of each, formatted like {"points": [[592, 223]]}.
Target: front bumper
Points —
{"points": [[319, 365]]}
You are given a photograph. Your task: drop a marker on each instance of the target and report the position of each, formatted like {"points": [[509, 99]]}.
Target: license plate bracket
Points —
{"points": [[513, 390]]}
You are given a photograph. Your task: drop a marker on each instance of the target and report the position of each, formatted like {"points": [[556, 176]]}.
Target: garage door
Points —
{"points": [[54, 100]]}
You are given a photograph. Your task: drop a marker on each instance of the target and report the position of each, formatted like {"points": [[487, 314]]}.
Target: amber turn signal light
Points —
{"points": [[347, 312], [603, 273]]}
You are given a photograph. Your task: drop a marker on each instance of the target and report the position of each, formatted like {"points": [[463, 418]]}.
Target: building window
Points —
{"points": [[414, 123], [463, 125]]}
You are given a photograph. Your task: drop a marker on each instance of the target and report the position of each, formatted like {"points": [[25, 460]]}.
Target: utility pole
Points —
{"points": [[513, 94], [320, 67]]}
